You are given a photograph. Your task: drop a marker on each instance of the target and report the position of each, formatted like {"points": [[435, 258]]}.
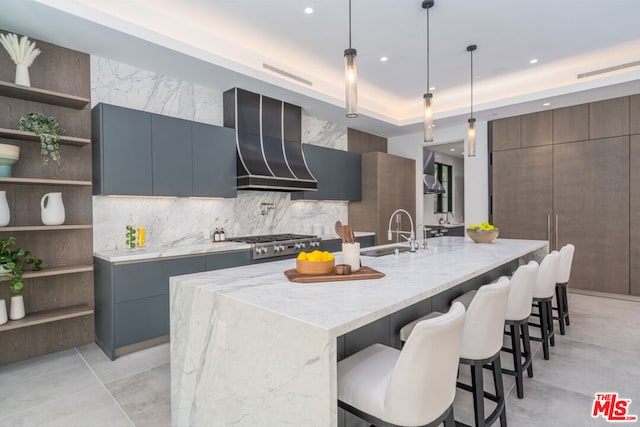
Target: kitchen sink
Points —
{"points": [[387, 250]]}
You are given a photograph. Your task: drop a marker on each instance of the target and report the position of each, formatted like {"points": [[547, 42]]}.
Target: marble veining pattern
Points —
{"points": [[248, 347], [183, 221]]}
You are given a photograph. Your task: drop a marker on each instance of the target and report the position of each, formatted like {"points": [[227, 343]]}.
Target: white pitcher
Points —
{"points": [[5, 215], [52, 209]]}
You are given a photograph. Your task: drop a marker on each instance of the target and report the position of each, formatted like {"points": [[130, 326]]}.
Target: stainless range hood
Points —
{"points": [[431, 183], [269, 142]]}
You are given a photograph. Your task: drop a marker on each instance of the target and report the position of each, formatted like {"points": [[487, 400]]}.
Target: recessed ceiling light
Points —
{"points": [[432, 88], [308, 10], [546, 104], [383, 59], [462, 153], [452, 149], [533, 61]]}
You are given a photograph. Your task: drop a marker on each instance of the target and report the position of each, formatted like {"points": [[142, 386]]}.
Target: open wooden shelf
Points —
{"points": [[47, 316], [31, 136], [42, 95], [46, 227], [45, 181], [54, 271]]}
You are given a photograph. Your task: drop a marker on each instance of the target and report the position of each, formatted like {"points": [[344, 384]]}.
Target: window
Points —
{"points": [[444, 201]]}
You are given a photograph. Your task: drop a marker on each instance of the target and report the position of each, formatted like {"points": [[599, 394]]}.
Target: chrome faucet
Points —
{"points": [[412, 235]]}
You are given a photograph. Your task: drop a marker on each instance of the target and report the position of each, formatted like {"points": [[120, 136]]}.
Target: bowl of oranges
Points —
{"points": [[483, 233], [316, 262]]}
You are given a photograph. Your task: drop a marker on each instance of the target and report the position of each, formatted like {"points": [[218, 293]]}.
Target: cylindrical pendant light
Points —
{"points": [[427, 109], [471, 136], [350, 77]]}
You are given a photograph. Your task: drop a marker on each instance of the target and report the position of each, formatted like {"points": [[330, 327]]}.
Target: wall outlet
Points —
{"points": [[206, 234]]}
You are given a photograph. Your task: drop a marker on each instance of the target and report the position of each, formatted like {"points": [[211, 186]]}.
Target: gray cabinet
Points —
{"points": [[227, 260], [335, 245], [172, 156], [580, 190], [143, 154], [506, 133], [121, 151], [537, 129], [214, 161], [132, 299], [338, 173]]}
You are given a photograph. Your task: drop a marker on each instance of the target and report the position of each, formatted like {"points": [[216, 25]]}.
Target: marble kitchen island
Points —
{"points": [[248, 347]]}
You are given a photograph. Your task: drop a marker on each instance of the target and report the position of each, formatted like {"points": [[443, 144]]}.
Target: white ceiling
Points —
{"points": [[224, 43]]}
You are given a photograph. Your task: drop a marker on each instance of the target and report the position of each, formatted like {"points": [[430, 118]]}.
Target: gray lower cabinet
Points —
{"points": [[121, 139], [338, 173], [172, 156], [132, 299], [455, 231], [335, 245]]}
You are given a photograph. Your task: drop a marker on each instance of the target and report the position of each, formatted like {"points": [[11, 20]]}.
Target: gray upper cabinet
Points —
{"points": [[537, 129], [609, 118], [634, 107], [143, 154], [121, 151], [571, 124], [214, 161], [506, 134], [338, 173], [172, 156]]}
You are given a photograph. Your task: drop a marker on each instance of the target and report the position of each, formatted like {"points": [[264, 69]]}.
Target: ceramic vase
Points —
{"points": [[22, 75], [351, 255], [9, 154], [17, 307], [52, 209], [5, 215], [3, 312]]}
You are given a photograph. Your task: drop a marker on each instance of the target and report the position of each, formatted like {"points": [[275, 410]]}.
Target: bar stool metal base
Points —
{"points": [[446, 418], [563, 306], [477, 389], [545, 313], [519, 333]]}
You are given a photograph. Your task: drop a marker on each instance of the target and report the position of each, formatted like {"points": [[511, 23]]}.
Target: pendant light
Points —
{"points": [[351, 76], [471, 137], [427, 109]]}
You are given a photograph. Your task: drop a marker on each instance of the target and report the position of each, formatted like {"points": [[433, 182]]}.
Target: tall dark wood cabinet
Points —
{"points": [[572, 179], [59, 301]]}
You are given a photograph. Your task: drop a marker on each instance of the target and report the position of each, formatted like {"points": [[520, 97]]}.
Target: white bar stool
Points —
{"points": [[414, 386], [542, 294], [517, 318], [481, 345], [564, 273]]}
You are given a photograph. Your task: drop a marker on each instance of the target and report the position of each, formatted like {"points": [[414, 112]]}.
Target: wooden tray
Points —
{"points": [[362, 274]]}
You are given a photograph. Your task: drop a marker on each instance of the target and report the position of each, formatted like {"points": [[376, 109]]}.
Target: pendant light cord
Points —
{"points": [[428, 50], [472, 84], [349, 24]]}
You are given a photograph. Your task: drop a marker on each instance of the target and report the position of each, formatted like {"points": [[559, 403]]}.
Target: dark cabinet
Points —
{"points": [[227, 260], [143, 154], [132, 300], [537, 129], [172, 156], [506, 133], [121, 151], [634, 220], [338, 173], [571, 124], [609, 118], [214, 161]]}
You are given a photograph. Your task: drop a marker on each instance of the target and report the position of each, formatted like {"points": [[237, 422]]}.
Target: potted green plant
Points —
{"points": [[12, 261], [49, 131]]}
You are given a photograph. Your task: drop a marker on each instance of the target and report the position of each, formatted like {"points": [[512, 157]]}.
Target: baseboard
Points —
{"points": [[605, 295]]}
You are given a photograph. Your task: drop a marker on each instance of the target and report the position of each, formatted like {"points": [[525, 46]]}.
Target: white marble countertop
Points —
{"points": [[340, 307], [148, 253]]}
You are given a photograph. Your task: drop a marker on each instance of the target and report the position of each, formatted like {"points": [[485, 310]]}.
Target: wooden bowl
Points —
{"points": [[483, 236], [315, 267]]}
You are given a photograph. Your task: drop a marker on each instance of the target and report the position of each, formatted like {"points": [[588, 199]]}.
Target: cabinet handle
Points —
{"points": [[556, 232], [549, 228]]}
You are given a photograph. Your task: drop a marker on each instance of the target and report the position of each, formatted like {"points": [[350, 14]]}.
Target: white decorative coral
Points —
{"points": [[22, 52]]}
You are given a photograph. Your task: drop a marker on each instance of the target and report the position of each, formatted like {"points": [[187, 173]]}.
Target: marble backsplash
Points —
{"points": [[173, 221]]}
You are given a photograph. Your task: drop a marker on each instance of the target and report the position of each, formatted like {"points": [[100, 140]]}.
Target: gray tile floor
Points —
{"points": [[82, 387]]}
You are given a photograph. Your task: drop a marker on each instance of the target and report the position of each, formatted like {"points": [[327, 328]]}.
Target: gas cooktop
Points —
{"points": [[278, 245]]}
